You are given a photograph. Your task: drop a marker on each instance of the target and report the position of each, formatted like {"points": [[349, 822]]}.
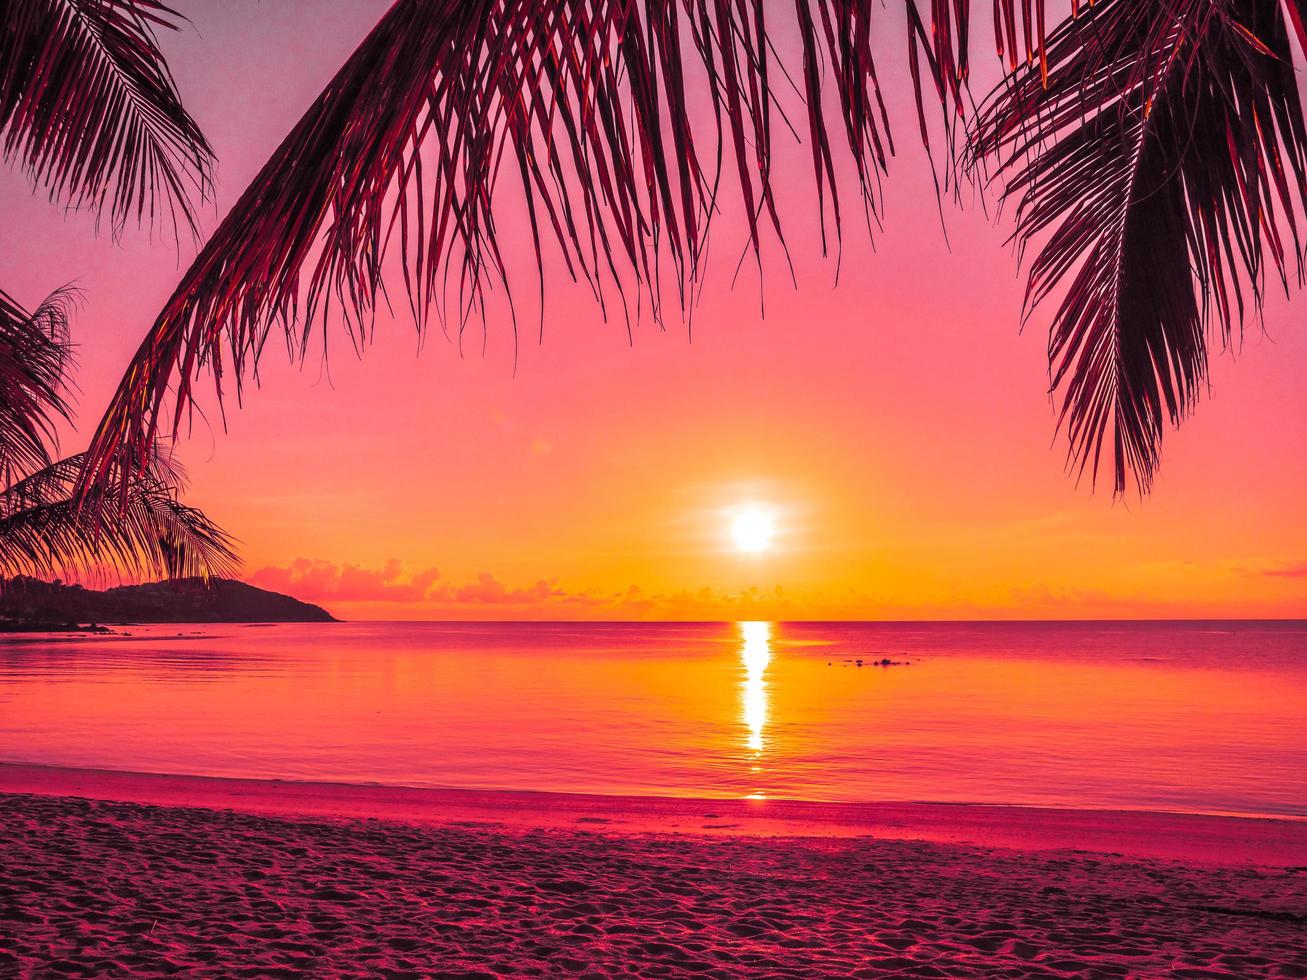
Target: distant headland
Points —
{"points": [[29, 604]]}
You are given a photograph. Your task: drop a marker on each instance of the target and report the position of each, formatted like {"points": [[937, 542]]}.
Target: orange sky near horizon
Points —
{"points": [[898, 423]]}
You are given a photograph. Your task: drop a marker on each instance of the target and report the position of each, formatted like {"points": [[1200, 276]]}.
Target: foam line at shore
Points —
{"points": [[1171, 836]]}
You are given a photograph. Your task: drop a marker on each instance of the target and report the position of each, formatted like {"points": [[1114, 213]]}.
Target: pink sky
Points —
{"points": [[898, 424]]}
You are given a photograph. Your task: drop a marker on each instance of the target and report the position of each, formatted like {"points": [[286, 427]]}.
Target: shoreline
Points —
{"points": [[1139, 834]]}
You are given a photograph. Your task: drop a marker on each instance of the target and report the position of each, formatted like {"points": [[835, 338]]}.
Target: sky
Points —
{"points": [[896, 425]]}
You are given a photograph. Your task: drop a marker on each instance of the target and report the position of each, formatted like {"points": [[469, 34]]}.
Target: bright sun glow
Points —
{"points": [[752, 530]]}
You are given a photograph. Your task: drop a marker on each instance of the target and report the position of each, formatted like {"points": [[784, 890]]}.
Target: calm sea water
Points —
{"points": [[1198, 716]]}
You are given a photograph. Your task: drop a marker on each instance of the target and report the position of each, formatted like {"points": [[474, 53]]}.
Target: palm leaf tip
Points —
{"points": [[1158, 172], [89, 109], [35, 355], [45, 532]]}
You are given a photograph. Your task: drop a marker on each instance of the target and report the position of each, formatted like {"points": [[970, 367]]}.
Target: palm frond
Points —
{"points": [[1103, 133], [592, 105], [44, 533], [88, 108], [47, 485], [1159, 171], [35, 353], [1020, 28]]}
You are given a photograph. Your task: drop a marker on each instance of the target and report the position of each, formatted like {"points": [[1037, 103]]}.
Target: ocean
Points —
{"points": [[1197, 716]]}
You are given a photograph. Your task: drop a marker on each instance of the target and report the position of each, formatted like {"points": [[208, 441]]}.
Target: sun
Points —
{"points": [[752, 530]]}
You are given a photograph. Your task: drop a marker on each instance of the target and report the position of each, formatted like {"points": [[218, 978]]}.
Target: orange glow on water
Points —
{"points": [[1203, 717]]}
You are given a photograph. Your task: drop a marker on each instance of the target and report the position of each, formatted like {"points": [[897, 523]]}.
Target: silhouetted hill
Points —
{"points": [[31, 603]]}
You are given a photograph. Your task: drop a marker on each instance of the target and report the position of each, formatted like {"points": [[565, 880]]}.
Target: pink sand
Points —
{"points": [[107, 873]]}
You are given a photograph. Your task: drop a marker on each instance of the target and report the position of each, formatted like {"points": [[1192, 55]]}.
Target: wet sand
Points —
{"points": [[110, 874]]}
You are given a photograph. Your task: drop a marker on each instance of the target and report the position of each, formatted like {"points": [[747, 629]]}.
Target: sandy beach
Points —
{"points": [[110, 874]]}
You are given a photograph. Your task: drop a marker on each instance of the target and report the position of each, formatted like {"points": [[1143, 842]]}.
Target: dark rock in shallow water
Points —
{"points": [[23, 625], [30, 604], [887, 662]]}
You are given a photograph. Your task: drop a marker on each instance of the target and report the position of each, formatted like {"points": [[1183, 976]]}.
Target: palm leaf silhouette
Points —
{"points": [[89, 110], [1159, 169], [591, 104], [34, 358], [44, 533]]}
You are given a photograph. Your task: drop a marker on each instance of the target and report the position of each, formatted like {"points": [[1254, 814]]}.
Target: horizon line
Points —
{"points": [[879, 622]]}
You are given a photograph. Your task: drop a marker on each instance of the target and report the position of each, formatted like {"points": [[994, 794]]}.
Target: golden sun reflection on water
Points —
{"points": [[755, 655], [1191, 717]]}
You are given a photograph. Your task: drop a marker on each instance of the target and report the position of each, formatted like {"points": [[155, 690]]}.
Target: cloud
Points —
{"points": [[1288, 569], [318, 580], [315, 580], [391, 590], [488, 590]]}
